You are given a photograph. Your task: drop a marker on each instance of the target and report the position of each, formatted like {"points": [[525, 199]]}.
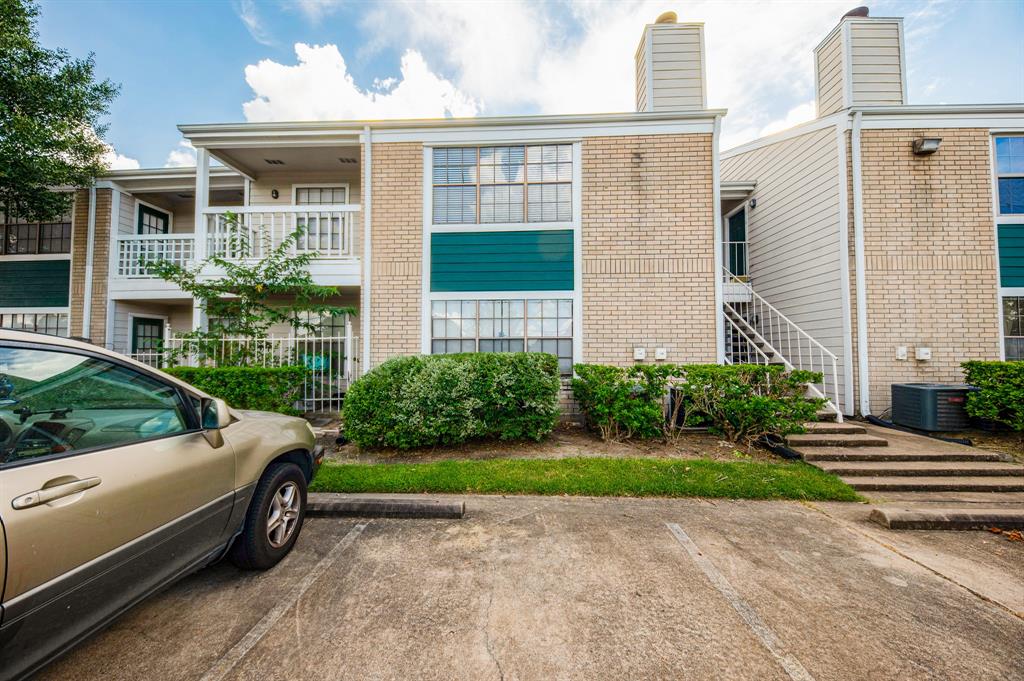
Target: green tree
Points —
{"points": [[249, 294], [50, 109]]}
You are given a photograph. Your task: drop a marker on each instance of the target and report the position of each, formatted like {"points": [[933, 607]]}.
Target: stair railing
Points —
{"points": [[793, 346]]}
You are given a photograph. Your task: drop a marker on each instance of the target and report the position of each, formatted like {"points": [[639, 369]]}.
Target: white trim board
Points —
{"points": [[35, 310]]}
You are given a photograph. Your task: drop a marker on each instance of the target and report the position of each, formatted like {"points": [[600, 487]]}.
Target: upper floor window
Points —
{"points": [[502, 185], [23, 238], [1010, 174], [323, 195]]}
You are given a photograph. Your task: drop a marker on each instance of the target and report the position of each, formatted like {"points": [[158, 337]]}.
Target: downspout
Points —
{"points": [[716, 204], [367, 246], [859, 270], [87, 289]]}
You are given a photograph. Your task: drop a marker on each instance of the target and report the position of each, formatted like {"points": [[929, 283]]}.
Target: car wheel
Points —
{"points": [[274, 518]]}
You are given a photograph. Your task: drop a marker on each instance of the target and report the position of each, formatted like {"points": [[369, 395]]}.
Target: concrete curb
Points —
{"points": [[901, 518], [323, 505]]}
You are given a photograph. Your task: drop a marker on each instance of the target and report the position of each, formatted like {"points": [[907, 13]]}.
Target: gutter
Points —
{"points": [[367, 201], [89, 255], [859, 269], [716, 201]]}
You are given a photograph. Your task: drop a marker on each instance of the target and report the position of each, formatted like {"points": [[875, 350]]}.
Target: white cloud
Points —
{"points": [[531, 56], [798, 114], [182, 156], [116, 161], [319, 87], [314, 10], [247, 12]]}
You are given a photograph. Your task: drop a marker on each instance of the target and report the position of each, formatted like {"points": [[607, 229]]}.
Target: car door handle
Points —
{"points": [[48, 494]]}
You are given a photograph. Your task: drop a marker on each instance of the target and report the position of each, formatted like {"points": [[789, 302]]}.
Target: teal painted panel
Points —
{"points": [[1011, 255], [501, 261], [34, 283]]}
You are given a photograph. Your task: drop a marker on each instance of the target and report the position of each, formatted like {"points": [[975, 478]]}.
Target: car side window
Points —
{"points": [[54, 402]]}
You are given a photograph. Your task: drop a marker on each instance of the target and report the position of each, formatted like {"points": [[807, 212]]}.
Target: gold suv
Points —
{"points": [[116, 479]]}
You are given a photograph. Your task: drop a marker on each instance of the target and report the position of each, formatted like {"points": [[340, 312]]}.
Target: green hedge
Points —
{"points": [[429, 400], [741, 402], [261, 388], [1000, 394]]}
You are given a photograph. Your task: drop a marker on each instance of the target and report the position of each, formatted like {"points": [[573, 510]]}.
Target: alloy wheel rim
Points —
{"points": [[283, 516]]}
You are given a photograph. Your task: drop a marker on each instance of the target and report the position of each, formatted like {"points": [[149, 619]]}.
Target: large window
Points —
{"points": [[503, 326], [153, 221], [52, 323], [31, 238], [1013, 327], [1010, 174], [502, 185]]}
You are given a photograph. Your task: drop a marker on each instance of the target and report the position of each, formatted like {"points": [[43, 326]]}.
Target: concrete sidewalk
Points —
{"points": [[576, 588]]}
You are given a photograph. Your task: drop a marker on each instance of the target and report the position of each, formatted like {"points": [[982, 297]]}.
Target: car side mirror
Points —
{"points": [[215, 415]]}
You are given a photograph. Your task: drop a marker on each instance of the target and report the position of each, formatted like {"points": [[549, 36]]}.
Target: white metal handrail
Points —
{"points": [[327, 230], [750, 347], [735, 252], [135, 252], [796, 348]]}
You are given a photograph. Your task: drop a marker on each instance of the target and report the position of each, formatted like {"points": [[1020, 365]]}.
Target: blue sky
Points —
{"points": [[190, 61]]}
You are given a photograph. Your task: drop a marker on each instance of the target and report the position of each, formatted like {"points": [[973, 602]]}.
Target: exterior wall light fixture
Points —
{"points": [[923, 146]]}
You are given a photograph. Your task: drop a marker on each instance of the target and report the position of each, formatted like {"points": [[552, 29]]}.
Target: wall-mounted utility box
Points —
{"points": [[930, 406]]}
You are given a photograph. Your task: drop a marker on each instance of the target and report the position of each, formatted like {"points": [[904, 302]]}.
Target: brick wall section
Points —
{"points": [[648, 249], [930, 250], [101, 253], [397, 245]]}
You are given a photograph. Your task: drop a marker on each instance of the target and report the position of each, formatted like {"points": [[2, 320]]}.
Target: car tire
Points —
{"points": [[274, 519]]}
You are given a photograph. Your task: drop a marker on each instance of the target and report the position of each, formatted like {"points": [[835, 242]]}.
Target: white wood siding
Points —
{"points": [[678, 67], [877, 68], [829, 64], [126, 214], [641, 74], [794, 232], [179, 316]]}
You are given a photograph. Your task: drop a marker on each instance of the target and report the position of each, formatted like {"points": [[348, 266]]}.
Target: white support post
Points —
{"points": [[364, 311], [202, 201], [348, 348]]}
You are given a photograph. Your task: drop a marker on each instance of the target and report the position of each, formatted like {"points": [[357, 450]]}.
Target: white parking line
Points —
{"points": [[767, 637], [233, 656]]}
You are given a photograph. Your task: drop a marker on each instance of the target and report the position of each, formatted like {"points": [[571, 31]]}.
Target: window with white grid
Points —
{"points": [[321, 196], [512, 325], [502, 184], [52, 323]]}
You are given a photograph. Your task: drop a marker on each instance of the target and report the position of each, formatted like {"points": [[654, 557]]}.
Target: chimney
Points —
{"points": [[861, 63], [670, 68]]}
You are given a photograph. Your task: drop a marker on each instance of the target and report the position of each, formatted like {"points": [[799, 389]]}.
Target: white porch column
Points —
{"points": [[202, 201]]}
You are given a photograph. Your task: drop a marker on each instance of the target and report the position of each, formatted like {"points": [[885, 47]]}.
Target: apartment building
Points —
{"points": [[573, 235], [888, 234]]}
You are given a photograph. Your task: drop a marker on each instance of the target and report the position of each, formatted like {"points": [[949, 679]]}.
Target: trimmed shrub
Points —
{"points": [[748, 402], [1000, 394], [744, 403], [623, 402], [262, 388], [427, 400]]}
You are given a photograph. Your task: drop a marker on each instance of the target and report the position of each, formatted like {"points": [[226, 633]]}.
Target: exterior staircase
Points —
{"points": [[921, 482], [758, 333]]}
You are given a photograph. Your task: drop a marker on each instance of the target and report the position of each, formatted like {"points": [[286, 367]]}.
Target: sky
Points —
{"points": [[217, 61]]}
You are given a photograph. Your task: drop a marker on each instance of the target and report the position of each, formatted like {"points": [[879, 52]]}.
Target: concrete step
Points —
{"points": [[922, 468], [816, 454], [934, 483], [907, 517], [833, 428], [798, 442], [825, 416]]}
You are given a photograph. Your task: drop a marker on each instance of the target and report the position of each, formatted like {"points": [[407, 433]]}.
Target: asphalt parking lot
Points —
{"points": [[555, 588]]}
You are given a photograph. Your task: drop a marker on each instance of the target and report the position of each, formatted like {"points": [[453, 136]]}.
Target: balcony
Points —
{"points": [[327, 232]]}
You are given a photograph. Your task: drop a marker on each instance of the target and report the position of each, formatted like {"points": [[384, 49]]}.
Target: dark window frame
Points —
{"points": [[32, 233], [145, 210]]}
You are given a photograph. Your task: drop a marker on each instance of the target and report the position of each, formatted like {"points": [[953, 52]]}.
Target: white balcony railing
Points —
{"points": [[327, 230], [134, 252]]}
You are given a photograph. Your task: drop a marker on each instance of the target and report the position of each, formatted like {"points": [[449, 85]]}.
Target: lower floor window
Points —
{"points": [[52, 323], [1013, 327], [539, 325]]}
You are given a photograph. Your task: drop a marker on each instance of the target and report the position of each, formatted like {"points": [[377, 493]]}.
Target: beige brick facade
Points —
{"points": [[931, 265], [648, 248], [397, 251], [101, 252]]}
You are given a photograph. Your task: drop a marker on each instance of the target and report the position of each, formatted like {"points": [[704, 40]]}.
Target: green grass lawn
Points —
{"points": [[591, 477]]}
